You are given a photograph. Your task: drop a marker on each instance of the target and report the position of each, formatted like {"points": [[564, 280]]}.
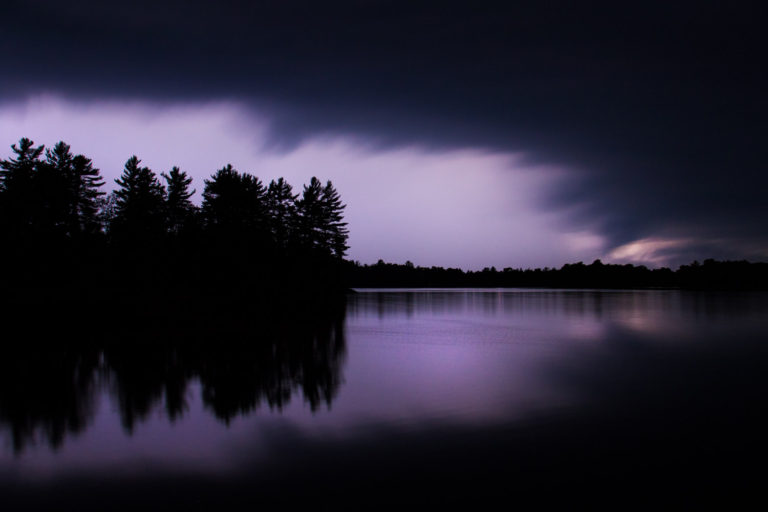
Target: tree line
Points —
{"points": [[53, 201], [58, 225], [710, 274]]}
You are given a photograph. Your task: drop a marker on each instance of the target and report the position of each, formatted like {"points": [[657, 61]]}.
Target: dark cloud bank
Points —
{"points": [[658, 109]]}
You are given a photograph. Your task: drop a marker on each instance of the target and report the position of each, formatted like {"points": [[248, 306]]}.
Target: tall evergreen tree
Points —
{"points": [[335, 229], [70, 188], [281, 208], [310, 216], [17, 195], [139, 203], [179, 209], [50, 184], [321, 220], [86, 182], [52, 189], [235, 203], [18, 171]]}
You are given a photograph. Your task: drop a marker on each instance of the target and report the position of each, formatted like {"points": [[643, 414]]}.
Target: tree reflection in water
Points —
{"points": [[148, 355]]}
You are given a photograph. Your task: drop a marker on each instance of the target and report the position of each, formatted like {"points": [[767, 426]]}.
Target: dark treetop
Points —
{"points": [[59, 228]]}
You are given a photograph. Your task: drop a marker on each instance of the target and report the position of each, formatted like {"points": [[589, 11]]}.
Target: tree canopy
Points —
{"points": [[53, 196]]}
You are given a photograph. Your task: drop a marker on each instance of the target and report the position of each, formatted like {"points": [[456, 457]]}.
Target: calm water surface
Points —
{"points": [[428, 396]]}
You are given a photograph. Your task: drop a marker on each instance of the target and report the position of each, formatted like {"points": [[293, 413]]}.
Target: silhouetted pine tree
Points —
{"points": [[50, 185], [179, 209], [335, 229], [86, 182], [320, 219], [17, 194], [234, 204], [72, 191], [311, 213], [281, 209], [139, 204]]}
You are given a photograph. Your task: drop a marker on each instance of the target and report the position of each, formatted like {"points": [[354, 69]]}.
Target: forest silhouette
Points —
{"points": [[709, 275], [60, 228], [262, 242]]}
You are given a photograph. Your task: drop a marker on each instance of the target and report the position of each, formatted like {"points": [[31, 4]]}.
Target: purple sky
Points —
{"points": [[465, 134], [460, 208]]}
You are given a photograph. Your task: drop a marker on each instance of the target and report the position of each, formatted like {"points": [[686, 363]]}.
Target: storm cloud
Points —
{"points": [[657, 110]]}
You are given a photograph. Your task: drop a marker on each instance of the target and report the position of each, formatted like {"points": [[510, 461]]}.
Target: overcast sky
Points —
{"points": [[458, 133]]}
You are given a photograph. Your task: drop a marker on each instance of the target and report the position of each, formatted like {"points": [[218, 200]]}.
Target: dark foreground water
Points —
{"points": [[615, 399]]}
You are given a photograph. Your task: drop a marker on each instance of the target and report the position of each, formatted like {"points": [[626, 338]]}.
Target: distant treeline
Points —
{"points": [[708, 275], [58, 226]]}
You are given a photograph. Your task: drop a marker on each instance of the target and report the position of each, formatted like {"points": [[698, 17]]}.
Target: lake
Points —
{"points": [[397, 398]]}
